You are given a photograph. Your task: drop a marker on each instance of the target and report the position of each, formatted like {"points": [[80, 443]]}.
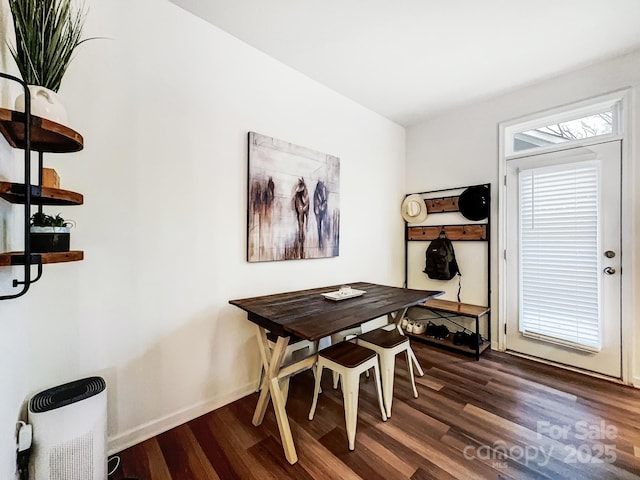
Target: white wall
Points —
{"points": [[165, 105], [461, 148]]}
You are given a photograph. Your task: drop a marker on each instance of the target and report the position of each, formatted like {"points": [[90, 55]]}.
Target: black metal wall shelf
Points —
{"points": [[34, 134]]}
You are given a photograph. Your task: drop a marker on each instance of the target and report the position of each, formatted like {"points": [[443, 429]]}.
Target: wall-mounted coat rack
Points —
{"points": [[479, 231]]}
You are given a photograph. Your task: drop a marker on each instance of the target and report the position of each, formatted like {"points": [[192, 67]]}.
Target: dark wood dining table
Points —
{"points": [[309, 315]]}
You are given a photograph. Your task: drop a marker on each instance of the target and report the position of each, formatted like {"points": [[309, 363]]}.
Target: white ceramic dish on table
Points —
{"points": [[343, 294]]}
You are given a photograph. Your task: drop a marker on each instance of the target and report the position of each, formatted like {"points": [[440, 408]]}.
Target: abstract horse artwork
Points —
{"points": [[282, 177]]}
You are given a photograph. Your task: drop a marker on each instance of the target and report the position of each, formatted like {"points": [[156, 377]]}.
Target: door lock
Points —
{"points": [[609, 270], [609, 254]]}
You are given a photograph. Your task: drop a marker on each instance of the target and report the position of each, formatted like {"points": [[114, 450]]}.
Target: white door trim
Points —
{"points": [[629, 226]]}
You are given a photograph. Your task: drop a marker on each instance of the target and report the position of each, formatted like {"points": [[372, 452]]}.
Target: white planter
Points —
{"points": [[50, 229], [44, 103]]}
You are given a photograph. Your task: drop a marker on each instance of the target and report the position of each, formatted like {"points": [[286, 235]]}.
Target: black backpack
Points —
{"points": [[441, 259]]}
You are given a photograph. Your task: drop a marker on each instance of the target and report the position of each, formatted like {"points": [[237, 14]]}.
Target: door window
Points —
{"points": [[593, 122]]}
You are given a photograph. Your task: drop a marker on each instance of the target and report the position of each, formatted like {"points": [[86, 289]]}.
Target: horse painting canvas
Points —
{"points": [[294, 201]]}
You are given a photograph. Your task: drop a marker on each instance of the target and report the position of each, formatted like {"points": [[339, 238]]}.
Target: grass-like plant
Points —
{"points": [[40, 219], [47, 34]]}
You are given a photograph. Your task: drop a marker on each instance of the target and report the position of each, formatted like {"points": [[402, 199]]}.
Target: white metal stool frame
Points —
{"points": [[396, 320], [387, 355], [350, 380]]}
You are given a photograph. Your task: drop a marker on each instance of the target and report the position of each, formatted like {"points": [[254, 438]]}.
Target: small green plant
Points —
{"points": [[40, 219], [47, 34]]}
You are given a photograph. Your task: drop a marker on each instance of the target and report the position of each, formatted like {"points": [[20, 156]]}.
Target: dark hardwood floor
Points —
{"points": [[500, 418]]}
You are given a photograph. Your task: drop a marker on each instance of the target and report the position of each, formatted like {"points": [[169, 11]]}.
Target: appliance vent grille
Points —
{"points": [[72, 460], [66, 394]]}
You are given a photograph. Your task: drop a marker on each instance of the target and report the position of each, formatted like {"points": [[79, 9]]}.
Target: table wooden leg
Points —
{"points": [[283, 421], [265, 356], [284, 387], [415, 361], [271, 390], [397, 319], [271, 362]]}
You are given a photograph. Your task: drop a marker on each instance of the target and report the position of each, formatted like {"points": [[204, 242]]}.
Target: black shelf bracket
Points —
{"points": [[26, 283]]}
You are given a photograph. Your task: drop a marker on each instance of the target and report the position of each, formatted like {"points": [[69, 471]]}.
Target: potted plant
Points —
{"points": [[49, 234], [47, 34]]}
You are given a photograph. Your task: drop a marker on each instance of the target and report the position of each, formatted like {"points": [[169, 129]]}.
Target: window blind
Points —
{"points": [[559, 261]]}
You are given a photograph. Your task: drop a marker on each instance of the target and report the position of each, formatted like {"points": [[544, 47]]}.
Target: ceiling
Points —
{"points": [[409, 60]]}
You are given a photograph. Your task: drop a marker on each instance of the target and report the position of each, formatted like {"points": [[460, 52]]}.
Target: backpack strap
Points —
{"points": [[443, 234]]}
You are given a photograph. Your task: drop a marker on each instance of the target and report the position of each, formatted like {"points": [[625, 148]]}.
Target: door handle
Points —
{"points": [[609, 270]]}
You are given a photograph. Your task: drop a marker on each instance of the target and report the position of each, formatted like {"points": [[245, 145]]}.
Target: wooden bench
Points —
{"points": [[448, 309]]}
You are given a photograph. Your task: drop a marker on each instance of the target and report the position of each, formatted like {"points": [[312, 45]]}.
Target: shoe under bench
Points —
{"points": [[448, 311]]}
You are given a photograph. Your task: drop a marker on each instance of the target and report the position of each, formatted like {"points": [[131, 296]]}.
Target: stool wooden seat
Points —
{"points": [[349, 360], [387, 344]]}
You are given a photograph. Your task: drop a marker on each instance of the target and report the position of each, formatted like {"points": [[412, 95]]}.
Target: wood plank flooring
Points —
{"points": [[503, 417]]}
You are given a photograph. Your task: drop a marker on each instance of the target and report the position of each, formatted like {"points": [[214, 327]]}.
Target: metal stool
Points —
{"points": [[387, 344], [349, 360]]}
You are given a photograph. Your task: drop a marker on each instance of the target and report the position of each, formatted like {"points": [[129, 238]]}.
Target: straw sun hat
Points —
{"points": [[414, 210]]}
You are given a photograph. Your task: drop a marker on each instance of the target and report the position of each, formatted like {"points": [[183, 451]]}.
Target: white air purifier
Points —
{"points": [[70, 431]]}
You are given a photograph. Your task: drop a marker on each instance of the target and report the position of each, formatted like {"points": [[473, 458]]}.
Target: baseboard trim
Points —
{"points": [[139, 434], [565, 367], [636, 382]]}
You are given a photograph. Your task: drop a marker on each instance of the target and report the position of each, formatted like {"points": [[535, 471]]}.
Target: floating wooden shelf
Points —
{"points": [[46, 135], [17, 258], [453, 232], [15, 193]]}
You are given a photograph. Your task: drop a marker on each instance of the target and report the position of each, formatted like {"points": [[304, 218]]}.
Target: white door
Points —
{"points": [[563, 257]]}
